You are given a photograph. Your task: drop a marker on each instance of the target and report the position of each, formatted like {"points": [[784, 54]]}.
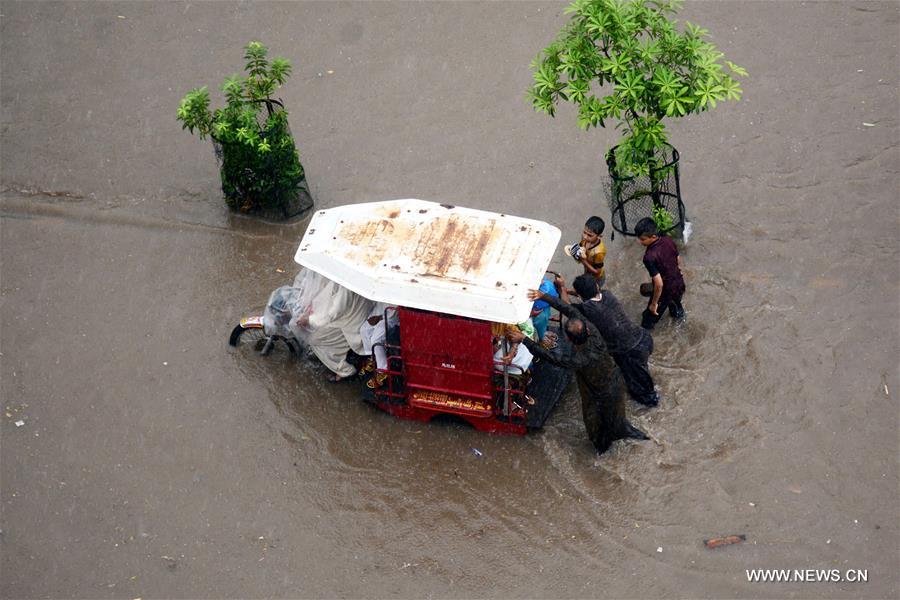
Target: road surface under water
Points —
{"points": [[155, 461]]}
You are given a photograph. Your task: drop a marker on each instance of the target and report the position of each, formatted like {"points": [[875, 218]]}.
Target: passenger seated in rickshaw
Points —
{"points": [[373, 332], [517, 356], [328, 321]]}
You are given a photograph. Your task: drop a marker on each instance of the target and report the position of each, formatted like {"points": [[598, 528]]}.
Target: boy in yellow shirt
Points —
{"points": [[591, 252]]}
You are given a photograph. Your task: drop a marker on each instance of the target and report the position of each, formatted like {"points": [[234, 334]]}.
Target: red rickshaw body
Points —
{"points": [[445, 366], [435, 364]]}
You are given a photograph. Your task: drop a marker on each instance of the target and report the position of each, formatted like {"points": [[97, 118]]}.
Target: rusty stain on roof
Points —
{"points": [[449, 247], [371, 240], [391, 212], [455, 248]]}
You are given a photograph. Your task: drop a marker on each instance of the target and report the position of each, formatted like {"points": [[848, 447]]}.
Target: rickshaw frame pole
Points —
{"points": [[506, 410]]}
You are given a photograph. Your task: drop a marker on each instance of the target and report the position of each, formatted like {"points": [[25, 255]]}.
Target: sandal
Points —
{"points": [[368, 366], [550, 341], [377, 380]]}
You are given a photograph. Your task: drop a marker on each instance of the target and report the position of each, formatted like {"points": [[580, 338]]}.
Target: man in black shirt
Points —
{"points": [[602, 404], [629, 345]]}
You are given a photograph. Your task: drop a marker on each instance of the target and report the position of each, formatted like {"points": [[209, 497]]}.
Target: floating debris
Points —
{"points": [[477, 452], [725, 541]]}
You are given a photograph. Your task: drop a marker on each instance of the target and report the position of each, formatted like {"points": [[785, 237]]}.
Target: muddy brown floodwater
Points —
{"points": [[155, 461]]}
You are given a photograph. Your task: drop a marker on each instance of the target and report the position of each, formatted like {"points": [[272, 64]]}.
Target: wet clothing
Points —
{"points": [[335, 315], [676, 311], [548, 288], [541, 322], [636, 372], [661, 258], [600, 386], [540, 310], [629, 345], [607, 315]]}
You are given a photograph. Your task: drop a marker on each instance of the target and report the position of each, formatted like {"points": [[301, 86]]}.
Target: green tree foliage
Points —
{"points": [[627, 62], [662, 218], [260, 165]]}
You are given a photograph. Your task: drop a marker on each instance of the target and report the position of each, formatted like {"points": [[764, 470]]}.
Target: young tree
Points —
{"points": [[260, 166], [627, 62]]}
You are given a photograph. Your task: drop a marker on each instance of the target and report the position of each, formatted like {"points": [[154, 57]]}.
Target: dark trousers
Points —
{"points": [[603, 411], [636, 372], [676, 311]]}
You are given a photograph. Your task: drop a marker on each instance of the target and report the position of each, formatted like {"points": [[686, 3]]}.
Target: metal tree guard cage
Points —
{"points": [[631, 198], [256, 184]]}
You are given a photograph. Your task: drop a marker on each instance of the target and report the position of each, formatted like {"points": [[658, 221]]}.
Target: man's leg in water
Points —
{"points": [[636, 372], [603, 412], [676, 311]]}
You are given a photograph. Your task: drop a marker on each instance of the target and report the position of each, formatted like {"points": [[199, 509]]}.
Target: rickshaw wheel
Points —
{"points": [[253, 337]]}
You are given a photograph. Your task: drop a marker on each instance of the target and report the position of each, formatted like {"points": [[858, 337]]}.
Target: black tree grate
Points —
{"points": [[633, 198]]}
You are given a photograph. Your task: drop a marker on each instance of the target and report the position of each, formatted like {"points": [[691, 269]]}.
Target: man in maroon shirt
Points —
{"points": [[664, 265]]}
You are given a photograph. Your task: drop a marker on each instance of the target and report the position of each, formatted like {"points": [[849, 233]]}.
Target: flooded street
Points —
{"points": [[156, 461]]}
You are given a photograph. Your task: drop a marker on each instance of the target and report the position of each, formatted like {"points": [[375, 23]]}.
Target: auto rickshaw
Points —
{"points": [[450, 273]]}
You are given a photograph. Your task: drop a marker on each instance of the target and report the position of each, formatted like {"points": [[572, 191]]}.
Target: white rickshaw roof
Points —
{"points": [[432, 256]]}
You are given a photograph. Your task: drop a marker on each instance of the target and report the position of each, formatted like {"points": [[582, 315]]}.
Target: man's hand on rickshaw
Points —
{"points": [[303, 320], [535, 294], [374, 320]]}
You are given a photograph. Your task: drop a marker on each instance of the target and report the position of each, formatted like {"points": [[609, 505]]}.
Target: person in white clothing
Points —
{"points": [[329, 321], [373, 332]]}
